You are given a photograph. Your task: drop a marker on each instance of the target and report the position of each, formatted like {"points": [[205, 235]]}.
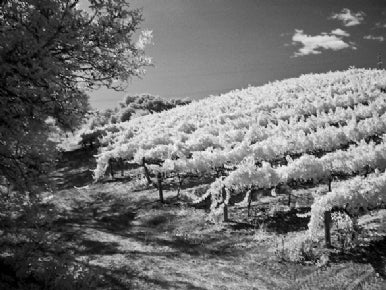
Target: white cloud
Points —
{"points": [[372, 37], [314, 44], [349, 18], [340, 32]]}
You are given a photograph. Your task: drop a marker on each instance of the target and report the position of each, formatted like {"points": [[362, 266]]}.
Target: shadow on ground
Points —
{"points": [[75, 168], [125, 278], [281, 222], [374, 253]]}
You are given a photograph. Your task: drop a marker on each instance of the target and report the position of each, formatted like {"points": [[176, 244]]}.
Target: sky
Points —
{"points": [[208, 47]]}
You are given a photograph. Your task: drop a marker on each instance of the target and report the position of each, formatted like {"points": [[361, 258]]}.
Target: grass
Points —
{"points": [[128, 240]]}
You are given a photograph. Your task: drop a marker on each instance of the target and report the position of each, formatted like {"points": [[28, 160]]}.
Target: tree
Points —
{"points": [[96, 125], [51, 52], [148, 103]]}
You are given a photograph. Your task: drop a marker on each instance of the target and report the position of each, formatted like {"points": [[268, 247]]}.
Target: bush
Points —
{"points": [[299, 248]]}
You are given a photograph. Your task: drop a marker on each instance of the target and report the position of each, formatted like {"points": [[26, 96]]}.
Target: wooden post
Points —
{"points": [[179, 185], [121, 164], [249, 203], [94, 211], [327, 228], [329, 184], [146, 172], [355, 229], [111, 168], [226, 218], [367, 170], [159, 185], [289, 199], [379, 61], [10, 189]]}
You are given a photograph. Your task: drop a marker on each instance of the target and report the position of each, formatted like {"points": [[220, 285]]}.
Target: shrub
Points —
{"points": [[299, 248]]}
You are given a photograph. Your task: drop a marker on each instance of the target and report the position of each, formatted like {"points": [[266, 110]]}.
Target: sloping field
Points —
{"points": [[275, 158], [265, 122], [129, 240], [314, 128]]}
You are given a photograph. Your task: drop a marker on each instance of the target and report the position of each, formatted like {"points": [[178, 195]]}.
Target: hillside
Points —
{"points": [[119, 236], [220, 129], [313, 128], [249, 179], [272, 160]]}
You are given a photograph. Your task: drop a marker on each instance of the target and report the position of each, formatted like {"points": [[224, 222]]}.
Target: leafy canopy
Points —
{"points": [[51, 52]]}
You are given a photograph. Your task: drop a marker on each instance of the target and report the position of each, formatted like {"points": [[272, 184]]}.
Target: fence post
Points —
{"points": [[249, 203], [327, 228], [225, 205], [111, 167], [121, 165], [159, 185], [355, 229], [10, 188], [179, 185], [146, 171], [329, 184], [289, 199]]}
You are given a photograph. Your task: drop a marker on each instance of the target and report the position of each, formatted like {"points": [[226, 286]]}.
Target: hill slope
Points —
{"points": [[312, 128]]}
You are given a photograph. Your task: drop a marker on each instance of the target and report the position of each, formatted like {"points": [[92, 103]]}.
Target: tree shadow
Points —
{"points": [[42, 264], [123, 277], [12, 275], [77, 178], [77, 158], [116, 222], [109, 221], [12, 278], [187, 244], [373, 253], [281, 222], [180, 244], [74, 168], [92, 247], [290, 221]]}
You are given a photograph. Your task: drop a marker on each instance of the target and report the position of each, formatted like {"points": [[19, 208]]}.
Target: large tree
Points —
{"points": [[51, 52]]}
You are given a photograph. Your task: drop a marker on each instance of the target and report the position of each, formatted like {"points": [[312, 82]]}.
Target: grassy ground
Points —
{"points": [[129, 240]]}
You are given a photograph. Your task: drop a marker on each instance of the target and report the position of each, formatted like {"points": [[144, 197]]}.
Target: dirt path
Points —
{"points": [[134, 242]]}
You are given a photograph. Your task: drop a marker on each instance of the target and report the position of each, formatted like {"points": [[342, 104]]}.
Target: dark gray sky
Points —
{"points": [[208, 47]]}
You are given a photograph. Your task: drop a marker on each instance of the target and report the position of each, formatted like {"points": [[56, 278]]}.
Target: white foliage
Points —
{"points": [[260, 125], [357, 196]]}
